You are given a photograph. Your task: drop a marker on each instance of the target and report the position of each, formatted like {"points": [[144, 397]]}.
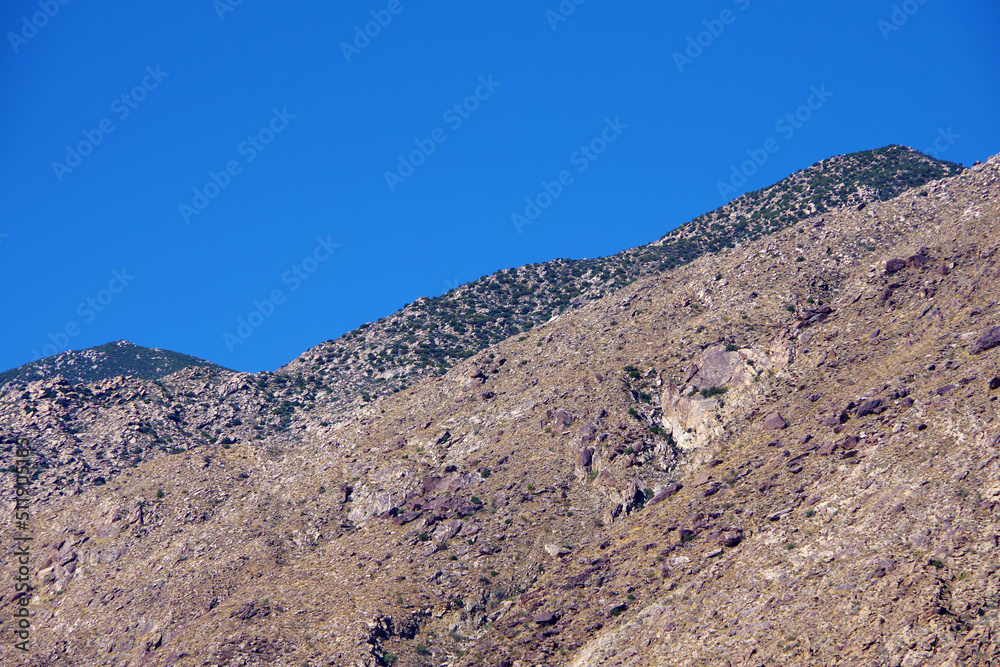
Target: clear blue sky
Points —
{"points": [[203, 94]]}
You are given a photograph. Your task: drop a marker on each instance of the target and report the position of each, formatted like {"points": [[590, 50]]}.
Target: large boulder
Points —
{"points": [[873, 407], [774, 422], [987, 341], [894, 265]]}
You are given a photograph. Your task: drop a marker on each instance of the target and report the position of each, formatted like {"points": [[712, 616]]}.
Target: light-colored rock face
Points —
{"points": [[431, 525], [691, 420], [716, 376], [717, 367]]}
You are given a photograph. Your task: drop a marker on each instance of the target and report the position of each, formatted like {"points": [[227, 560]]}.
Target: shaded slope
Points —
{"points": [[103, 362]]}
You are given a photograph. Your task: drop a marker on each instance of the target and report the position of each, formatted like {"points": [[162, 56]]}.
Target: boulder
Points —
{"points": [[556, 551], [872, 407], [667, 491], [894, 265], [731, 536], [545, 618], [989, 340], [446, 530], [562, 420], [774, 422]]}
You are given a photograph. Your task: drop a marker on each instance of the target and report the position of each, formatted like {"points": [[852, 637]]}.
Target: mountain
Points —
{"points": [[103, 362], [431, 335], [783, 452]]}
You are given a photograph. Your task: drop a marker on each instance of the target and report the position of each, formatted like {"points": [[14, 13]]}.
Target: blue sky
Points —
{"points": [[218, 154]]}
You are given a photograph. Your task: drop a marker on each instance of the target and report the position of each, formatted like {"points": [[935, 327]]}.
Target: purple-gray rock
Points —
{"points": [[731, 536], [894, 265], [667, 491], [774, 422], [545, 618], [987, 341], [872, 407], [563, 419]]}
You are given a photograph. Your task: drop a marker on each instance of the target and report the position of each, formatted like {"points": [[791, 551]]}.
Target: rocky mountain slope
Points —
{"points": [[423, 340], [431, 335], [782, 453], [104, 362]]}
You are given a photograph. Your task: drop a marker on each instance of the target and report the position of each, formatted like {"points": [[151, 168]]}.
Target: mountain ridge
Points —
{"points": [[514, 300], [430, 335], [781, 453]]}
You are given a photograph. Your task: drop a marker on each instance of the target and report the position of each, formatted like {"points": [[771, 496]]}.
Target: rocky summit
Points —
{"points": [[783, 451]]}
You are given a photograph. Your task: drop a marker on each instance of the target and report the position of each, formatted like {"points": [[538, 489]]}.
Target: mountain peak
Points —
{"points": [[120, 357]]}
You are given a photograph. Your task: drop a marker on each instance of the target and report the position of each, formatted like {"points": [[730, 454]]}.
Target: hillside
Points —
{"points": [[785, 452], [104, 362], [431, 335]]}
